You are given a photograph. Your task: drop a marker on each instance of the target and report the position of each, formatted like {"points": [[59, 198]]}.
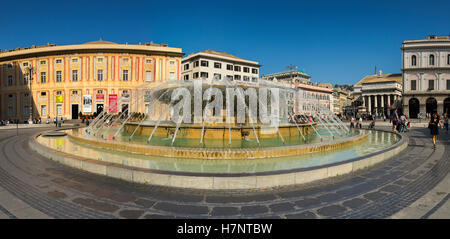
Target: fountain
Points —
{"points": [[218, 134]]}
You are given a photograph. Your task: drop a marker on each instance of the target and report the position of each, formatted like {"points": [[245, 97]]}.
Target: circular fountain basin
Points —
{"points": [[202, 173], [267, 148]]}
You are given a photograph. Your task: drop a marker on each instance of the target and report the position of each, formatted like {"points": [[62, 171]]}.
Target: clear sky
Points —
{"points": [[334, 41]]}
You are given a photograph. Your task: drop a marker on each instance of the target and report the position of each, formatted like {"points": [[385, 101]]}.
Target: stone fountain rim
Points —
{"points": [[402, 141]]}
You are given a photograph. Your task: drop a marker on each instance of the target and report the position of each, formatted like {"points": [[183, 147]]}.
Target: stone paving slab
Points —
{"points": [[18, 208], [422, 206]]}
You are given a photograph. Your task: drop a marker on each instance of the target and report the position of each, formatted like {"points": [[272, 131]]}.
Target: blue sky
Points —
{"points": [[334, 41]]}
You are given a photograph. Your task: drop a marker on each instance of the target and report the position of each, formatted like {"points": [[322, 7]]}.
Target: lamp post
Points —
{"points": [[30, 70]]}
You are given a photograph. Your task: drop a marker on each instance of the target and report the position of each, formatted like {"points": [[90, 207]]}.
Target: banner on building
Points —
{"points": [[112, 103], [59, 99], [87, 104], [100, 97]]}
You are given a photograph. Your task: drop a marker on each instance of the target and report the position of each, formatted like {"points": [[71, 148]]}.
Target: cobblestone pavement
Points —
{"points": [[37, 187]]}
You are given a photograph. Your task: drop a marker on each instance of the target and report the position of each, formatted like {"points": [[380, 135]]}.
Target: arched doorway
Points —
{"points": [[431, 106], [414, 108], [447, 106]]}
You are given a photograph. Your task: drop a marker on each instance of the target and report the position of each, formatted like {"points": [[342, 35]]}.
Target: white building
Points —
{"points": [[209, 64], [379, 93], [426, 75]]}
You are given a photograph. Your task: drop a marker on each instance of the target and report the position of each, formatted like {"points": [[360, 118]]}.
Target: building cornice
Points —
{"points": [[90, 48]]}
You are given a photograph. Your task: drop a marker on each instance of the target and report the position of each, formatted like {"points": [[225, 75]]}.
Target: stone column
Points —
{"points": [[375, 98], [440, 107], [389, 99], [382, 104], [370, 105]]}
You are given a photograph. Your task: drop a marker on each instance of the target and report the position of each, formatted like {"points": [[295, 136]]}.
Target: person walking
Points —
{"points": [[446, 123], [352, 122], [434, 128], [395, 120], [360, 122]]}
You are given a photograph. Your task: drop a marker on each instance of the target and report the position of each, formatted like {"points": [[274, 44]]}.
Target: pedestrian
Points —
{"points": [[434, 128], [395, 120], [56, 122], [352, 122], [446, 123], [360, 122]]}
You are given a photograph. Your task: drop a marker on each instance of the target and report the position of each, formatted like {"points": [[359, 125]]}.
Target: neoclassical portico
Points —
{"points": [[379, 103], [380, 93]]}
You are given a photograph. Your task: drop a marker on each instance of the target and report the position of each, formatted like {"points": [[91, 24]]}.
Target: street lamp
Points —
{"points": [[30, 70]]}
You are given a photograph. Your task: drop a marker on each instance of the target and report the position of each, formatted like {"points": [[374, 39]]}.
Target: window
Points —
{"points": [[43, 77], [186, 77], [26, 77], [58, 76], [58, 61], [75, 75], [237, 68], [204, 74], [26, 111], [148, 61], [413, 85], [430, 84], [246, 69], [125, 75], [196, 63], [448, 84], [148, 76], [204, 63], [44, 93], [229, 67], [431, 60], [195, 76], [186, 66], [10, 80], [448, 59], [43, 62], [246, 78], [100, 92], [74, 92], [217, 65], [100, 60], [9, 65], [25, 64], [75, 60], [172, 62], [172, 75], [254, 71], [58, 110], [59, 92], [100, 75], [43, 110], [414, 60], [237, 77], [230, 77], [217, 76], [125, 60], [254, 79]]}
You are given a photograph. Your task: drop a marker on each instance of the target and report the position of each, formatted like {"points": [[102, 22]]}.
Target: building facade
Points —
{"points": [[307, 94], [219, 65], [426, 76], [379, 93], [66, 80]]}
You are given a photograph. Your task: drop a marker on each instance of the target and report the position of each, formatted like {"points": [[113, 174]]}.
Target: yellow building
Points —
{"points": [[83, 78]]}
